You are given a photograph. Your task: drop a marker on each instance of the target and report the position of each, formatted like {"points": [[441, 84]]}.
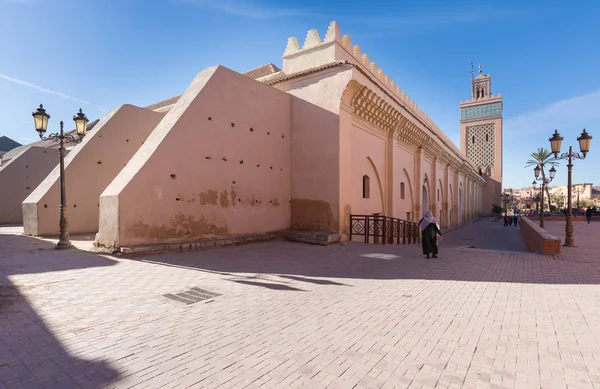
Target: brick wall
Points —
{"points": [[539, 240]]}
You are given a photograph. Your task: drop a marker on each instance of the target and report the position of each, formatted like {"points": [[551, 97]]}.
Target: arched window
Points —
{"points": [[481, 90], [438, 195], [402, 190], [473, 139], [366, 187]]}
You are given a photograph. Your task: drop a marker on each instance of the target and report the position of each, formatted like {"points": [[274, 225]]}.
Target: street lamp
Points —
{"points": [[584, 146], [534, 184], [40, 118], [545, 181]]}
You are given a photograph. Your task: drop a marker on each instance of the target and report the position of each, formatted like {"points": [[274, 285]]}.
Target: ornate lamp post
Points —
{"points": [[545, 181], [534, 185], [584, 146], [40, 118]]}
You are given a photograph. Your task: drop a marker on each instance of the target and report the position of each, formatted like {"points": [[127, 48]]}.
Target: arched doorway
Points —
{"points": [[425, 200], [460, 204], [451, 206]]}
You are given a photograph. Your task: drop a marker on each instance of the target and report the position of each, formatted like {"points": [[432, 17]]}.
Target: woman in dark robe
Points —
{"points": [[429, 231]]}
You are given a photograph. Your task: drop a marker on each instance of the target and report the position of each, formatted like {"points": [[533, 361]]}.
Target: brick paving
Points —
{"points": [[290, 315]]}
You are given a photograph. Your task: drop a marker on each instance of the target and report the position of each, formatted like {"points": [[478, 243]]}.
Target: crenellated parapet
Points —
{"points": [[335, 46]]}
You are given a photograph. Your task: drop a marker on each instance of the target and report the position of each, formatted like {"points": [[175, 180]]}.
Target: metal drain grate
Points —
{"points": [[191, 296]]}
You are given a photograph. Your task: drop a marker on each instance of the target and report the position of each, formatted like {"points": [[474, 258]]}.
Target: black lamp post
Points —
{"points": [[40, 118], [534, 185], [584, 146], [545, 181]]}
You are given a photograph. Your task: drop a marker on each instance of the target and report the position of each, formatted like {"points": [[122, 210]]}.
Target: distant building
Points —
{"points": [[7, 144], [585, 191]]}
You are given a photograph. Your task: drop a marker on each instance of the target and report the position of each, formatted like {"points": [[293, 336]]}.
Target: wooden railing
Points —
{"points": [[384, 229]]}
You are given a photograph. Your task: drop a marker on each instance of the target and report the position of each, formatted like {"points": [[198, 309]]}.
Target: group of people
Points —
{"points": [[431, 234], [510, 220]]}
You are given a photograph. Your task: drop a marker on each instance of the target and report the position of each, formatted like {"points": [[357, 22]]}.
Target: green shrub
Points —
{"points": [[497, 209]]}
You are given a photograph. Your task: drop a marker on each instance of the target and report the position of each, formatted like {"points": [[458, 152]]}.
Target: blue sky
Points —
{"points": [[97, 55]]}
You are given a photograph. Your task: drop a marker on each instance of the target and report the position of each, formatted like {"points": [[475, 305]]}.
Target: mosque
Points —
{"points": [[298, 147]]}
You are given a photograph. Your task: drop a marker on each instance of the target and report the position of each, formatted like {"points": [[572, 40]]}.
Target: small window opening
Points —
{"points": [[366, 182], [402, 190]]}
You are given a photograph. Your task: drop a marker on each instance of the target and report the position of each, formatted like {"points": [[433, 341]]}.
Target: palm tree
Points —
{"points": [[537, 198], [540, 158]]}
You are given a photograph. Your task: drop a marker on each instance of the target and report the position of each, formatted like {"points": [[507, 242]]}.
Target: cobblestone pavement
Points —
{"points": [[297, 316], [486, 234], [587, 240]]}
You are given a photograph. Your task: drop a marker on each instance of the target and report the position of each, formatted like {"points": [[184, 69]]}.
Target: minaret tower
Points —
{"points": [[481, 135]]}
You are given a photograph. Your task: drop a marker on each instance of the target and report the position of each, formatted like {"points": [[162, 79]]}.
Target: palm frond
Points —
{"points": [[541, 157]]}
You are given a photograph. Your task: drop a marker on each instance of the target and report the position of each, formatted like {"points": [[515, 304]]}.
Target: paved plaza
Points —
{"points": [[486, 314]]}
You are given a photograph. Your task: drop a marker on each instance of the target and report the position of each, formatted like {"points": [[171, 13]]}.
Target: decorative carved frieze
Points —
{"points": [[363, 63], [370, 107], [388, 108], [481, 111]]}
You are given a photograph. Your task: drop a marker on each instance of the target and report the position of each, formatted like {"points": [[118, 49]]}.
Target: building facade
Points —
{"points": [[581, 193], [302, 148]]}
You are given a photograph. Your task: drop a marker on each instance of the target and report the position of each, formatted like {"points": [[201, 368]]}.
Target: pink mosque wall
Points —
{"points": [[217, 165], [403, 160], [24, 172], [235, 156], [315, 167], [319, 199], [368, 159], [89, 168]]}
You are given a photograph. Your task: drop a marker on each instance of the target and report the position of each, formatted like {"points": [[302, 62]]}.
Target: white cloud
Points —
{"points": [[246, 9], [576, 111], [525, 133], [41, 89]]}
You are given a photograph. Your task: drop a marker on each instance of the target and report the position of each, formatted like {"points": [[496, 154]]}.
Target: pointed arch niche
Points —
{"points": [[450, 212], [367, 174], [406, 204], [460, 203], [441, 213], [426, 197]]}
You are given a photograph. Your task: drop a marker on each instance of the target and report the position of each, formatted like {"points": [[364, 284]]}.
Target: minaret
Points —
{"points": [[481, 136]]}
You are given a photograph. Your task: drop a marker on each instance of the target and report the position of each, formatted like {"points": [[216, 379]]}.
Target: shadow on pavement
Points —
{"points": [[268, 285], [499, 257], [487, 234], [30, 354]]}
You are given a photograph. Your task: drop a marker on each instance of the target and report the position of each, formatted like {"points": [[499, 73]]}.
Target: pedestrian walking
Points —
{"points": [[505, 220], [588, 214], [510, 220], [515, 220], [430, 230]]}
